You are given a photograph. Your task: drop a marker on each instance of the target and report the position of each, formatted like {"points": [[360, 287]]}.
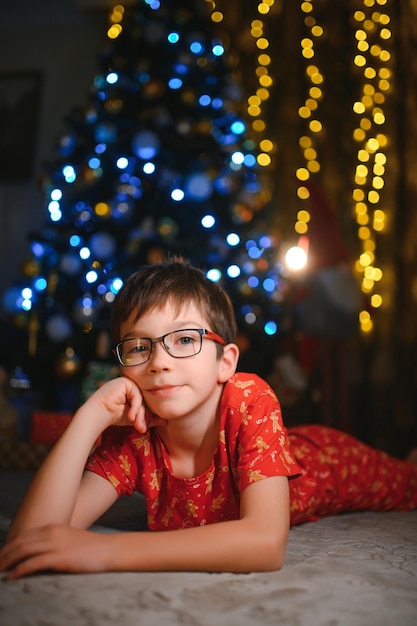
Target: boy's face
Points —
{"points": [[178, 387]]}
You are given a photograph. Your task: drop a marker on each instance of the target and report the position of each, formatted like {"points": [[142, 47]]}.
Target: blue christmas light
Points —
{"points": [[177, 195], [217, 103], [94, 163], [253, 281], [122, 163], [237, 157], [69, 173], [233, 239], [56, 194], [233, 271], [181, 68], [75, 241], [153, 4], [196, 47], [269, 285], [214, 274], [265, 241], [208, 221], [254, 252], [145, 144], [249, 160], [91, 276], [218, 50], [55, 211], [149, 167], [175, 83], [238, 127], [100, 148], [112, 78], [204, 100], [199, 186], [173, 37], [40, 283], [116, 285], [27, 295], [270, 328], [85, 253], [38, 249]]}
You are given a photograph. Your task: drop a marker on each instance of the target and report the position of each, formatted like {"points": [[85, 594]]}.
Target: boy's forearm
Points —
{"points": [[235, 546], [53, 491]]}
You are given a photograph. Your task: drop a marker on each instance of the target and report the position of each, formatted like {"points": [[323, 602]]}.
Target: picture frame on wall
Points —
{"points": [[20, 95]]}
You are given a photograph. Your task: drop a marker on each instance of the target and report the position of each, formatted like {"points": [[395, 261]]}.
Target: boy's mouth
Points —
{"points": [[164, 390]]}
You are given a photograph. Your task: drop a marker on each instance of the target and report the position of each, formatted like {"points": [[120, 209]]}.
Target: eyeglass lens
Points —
{"points": [[180, 343]]}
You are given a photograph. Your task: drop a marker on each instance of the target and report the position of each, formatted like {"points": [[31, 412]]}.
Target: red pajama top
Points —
{"points": [[331, 470], [253, 444]]}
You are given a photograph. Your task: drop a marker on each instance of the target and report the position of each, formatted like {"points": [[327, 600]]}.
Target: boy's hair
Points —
{"points": [[175, 281]]}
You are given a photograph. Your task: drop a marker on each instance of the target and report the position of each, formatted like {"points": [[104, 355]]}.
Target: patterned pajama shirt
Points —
{"points": [[329, 470]]}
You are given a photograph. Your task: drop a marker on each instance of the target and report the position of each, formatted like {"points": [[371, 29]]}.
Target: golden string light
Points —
{"points": [[116, 18], [257, 99], [309, 112], [373, 61]]}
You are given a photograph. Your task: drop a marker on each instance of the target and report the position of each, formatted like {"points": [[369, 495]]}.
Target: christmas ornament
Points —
{"points": [[67, 364]]}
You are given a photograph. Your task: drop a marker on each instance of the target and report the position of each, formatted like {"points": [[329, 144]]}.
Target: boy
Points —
{"points": [[205, 445]]}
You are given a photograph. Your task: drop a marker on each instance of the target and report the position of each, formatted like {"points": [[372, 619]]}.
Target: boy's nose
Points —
{"points": [[159, 359]]}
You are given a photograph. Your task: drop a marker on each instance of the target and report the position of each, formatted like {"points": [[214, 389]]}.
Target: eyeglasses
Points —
{"points": [[180, 344]]}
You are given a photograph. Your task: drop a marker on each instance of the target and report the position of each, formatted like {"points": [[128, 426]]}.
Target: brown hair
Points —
{"points": [[177, 281]]}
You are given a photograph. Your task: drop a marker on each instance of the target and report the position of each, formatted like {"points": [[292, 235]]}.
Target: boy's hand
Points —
{"points": [[55, 547], [123, 404]]}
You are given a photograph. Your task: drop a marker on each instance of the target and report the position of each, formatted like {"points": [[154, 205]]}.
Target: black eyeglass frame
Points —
{"points": [[203, 332]]}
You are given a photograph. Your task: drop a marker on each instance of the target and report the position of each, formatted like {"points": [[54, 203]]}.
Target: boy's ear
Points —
{"points": [[228, 362]]}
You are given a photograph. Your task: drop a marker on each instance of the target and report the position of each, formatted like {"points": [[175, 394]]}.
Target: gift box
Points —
{"points": [[47, 426]]}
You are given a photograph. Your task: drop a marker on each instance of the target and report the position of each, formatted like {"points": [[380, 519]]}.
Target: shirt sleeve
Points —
{"points": [[114, 459], [263, 446]]}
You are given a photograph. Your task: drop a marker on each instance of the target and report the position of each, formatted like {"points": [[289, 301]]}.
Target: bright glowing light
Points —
{"points": [[149, 167], [56, 194], [296, 258], [233, 271], [238, 158], [237, 127], [208, 221], [270, 328], [214, 275], [173, 37], [218, 50], [269, 285], [175, 83], [74, 241], [204, 100], [85, 253], [196, 47], [91, 276], [233, 239], [116, 285], [69, 173], [40, 284], [177, 195], [112, 78], [94, 163], [122, 163]]}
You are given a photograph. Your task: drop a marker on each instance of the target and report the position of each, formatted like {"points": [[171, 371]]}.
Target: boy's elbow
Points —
{"points": [[270, 556]]}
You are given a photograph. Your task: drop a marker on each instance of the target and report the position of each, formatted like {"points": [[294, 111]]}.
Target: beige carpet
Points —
{"points": [[356, 569]]}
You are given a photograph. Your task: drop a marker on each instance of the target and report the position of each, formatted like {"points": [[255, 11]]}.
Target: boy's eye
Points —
{"points": [[185, 339], [137, 348]]}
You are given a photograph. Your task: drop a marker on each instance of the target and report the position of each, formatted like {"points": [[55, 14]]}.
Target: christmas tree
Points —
{"points": [[160, 161]]}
